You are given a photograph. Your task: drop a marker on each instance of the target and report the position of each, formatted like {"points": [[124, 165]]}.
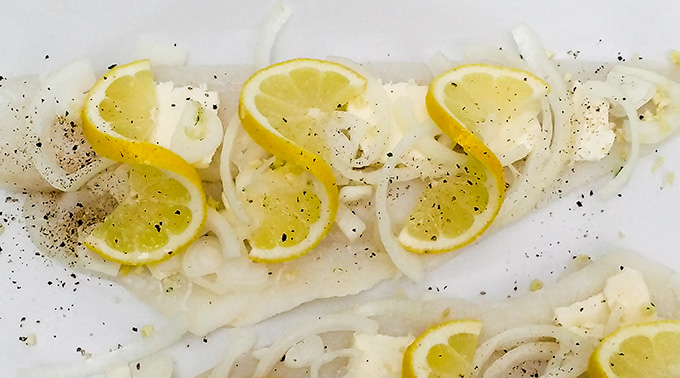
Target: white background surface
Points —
{"points": [[85, 312]]}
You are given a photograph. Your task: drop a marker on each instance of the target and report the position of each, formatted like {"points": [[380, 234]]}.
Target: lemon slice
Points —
{"points": [[151, 222], [289, 210], [650, 350], [445, 350], [284, 108], [456, 209], [453, 211], [118, 120]]}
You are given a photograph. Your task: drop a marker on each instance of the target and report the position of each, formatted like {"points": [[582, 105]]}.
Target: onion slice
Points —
{"points": [[613, 94], [168, 335], [270, 29], [228, 187], [408, 263], [336, 322]]}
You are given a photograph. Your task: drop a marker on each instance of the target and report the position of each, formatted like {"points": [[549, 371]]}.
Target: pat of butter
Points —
{"points": [[595, 135], [625, 296], [381, 356]]}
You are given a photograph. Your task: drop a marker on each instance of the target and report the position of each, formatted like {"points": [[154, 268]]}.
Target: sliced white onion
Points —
{"points": [[337, 322], [606, 90], [217, 224], [502, 366], [343, 135], [428, 157], [528, 187], [163, 338], [638, 90], [269, 30], [351, 193], [228, 187], [640, 73], [546, 162], [514, 337], [534, 54], [59, 103], [640, 86], [371, 138], [405, 261]]}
